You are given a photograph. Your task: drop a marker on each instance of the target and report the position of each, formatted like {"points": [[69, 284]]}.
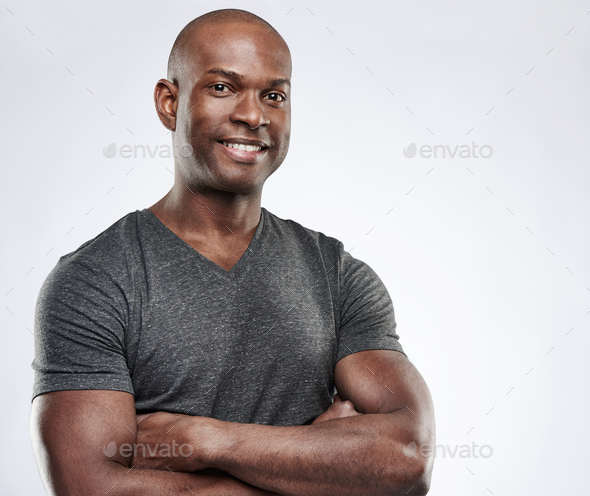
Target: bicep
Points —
{"points": [[73, 434], [384, 381]]}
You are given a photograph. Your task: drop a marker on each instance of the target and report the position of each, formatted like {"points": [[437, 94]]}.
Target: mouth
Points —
{"points": [[241, 146], [243, 150]]}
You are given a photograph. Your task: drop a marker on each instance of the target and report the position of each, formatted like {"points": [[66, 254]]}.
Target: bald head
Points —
{"points": [[229, 83], [181, 50]]}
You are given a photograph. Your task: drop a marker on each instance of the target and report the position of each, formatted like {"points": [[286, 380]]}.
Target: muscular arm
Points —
{"points": [[73, 432], [360, 454]]}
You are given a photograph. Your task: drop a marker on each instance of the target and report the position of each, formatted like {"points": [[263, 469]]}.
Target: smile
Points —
{"points": [[239, 146], [242, 152]]}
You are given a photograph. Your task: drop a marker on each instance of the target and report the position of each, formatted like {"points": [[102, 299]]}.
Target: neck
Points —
{"points": [[212, 214]]}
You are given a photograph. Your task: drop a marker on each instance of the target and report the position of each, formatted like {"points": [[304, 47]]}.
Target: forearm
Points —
{"points": [[130, 482], [72, 434], [344, 456]]}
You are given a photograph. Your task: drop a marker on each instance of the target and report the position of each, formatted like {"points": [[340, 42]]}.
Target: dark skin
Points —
{"points": [[214, 204], [356, 446]]}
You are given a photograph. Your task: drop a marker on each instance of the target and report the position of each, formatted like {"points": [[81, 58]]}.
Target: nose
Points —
{"points": [[250, 110]]}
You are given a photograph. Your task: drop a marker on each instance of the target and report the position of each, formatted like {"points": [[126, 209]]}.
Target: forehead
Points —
{"points": [[246, 48]]}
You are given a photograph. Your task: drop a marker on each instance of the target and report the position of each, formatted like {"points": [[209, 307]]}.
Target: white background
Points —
{"points": [[486, 259]]}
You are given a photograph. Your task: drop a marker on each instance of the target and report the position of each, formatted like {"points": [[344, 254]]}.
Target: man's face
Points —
{"points": [[235, 93]]}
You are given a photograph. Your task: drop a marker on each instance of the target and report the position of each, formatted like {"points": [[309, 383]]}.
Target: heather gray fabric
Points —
{"points": [[137, 309]]}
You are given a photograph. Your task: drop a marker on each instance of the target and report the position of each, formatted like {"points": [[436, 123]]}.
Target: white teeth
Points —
{"points": [[239, 146]]}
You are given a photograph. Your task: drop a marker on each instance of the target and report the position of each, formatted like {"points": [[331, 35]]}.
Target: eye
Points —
{"points": [[220, 88], [276, 97]]}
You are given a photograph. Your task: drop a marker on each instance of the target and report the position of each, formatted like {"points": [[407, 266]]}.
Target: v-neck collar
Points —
{"points": [[237, 267]]}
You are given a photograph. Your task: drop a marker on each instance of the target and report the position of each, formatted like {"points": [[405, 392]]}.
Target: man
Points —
{"points": [[225, 329]]}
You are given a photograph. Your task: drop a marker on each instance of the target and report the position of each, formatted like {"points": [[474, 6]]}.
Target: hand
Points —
{"points": [[338, 409], [166, 441]]}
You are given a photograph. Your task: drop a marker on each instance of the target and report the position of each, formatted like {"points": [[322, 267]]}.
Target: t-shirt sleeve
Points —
{"points": [[367, 320], [80, 320]]}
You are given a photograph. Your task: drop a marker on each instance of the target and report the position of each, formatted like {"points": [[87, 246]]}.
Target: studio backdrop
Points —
{"points": [[446, 145]]}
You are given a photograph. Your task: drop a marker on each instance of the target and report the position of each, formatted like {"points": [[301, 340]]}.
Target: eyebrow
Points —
{"points": [[239, 78]]}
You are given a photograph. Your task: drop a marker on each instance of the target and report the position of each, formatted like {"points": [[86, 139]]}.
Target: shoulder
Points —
{"points": [[329, 248], [109, 244], [112, 246], [290, 229], [107, 258]]}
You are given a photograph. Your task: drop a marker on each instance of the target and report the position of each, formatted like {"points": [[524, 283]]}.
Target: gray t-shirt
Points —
{"points": [[137, 309]]}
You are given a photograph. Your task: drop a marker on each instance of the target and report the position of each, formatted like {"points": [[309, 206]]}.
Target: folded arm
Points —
{"points": [[345, 456], [83, 442]]}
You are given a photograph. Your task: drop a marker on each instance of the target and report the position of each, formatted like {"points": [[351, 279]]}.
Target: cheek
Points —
{"points": [[282, 127], [286, 136], [204, 119]]}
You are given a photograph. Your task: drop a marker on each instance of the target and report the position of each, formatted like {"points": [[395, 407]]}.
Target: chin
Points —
{"points": [[240, 186], [244, 180]]}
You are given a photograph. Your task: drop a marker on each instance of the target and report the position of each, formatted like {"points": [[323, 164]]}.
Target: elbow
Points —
{"points": [[409, 476], [422, 484], [418, 477]]}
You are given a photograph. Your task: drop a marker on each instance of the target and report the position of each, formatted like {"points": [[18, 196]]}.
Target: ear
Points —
{"points": [[166, 100]]}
